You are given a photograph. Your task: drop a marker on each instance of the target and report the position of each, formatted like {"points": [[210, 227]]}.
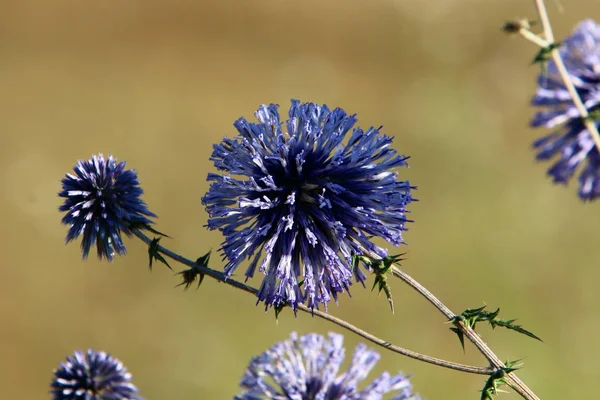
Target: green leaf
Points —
{"points": [[469, 317], [380, 268], [513, 365], [154, 254], [544, 54], [383, 284], [461, 336], [147, 227], [472, 316], [490, 389], [593, 115], [497, 379], [277, 309], [508, 324], [203, 260], [190, 275]]}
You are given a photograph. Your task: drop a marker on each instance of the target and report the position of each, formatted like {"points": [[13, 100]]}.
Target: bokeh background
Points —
{"points": [[157, 82]]}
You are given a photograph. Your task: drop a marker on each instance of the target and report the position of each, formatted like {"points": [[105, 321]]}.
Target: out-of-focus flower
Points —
{"points": [[310, 193], [102, 200], [307, 367], [571, 143], [94, 375]]}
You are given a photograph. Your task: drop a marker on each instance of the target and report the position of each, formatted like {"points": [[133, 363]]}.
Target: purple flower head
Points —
{"points": [[310, 193], [570, 143], [102, 200], [92, 376], [307, 367]]}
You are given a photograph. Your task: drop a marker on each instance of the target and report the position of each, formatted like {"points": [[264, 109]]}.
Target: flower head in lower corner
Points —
{"points": [[571, 143], [94, 375], [311, 193], [307, 367], [102, 201]]}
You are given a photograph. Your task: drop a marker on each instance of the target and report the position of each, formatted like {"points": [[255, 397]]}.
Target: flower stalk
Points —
{"points": [[545, 43], [222, 277], [512, 380]]}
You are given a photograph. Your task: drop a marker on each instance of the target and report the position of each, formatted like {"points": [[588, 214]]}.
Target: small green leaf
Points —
{"points": [[593, 115], [513, 365], [380, 268], [472, 316], [517, 328], [277, 309], [203, 260], [490, 389], [153, 253], [497, 379], [544, 54], [147, 227], [460, 335], [469, 312], [190, 275], [382, 282]]}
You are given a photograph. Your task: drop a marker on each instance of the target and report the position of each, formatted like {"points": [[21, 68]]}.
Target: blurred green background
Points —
{"points": [[156, 83]]}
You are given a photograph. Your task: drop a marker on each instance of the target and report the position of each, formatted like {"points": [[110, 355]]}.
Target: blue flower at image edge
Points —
{"points": [[570, 143], [102, 200], [310, 193], [307, 367], [94, 375]]}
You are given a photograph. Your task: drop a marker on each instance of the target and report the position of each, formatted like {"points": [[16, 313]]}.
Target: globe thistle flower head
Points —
{"points": [[309, 193], [94, 375], [102, 200], [308, 367], [570, 144]]}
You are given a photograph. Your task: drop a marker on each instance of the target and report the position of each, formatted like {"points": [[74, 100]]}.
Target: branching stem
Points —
{"points": [[560, 66], [220, 276], [497, 364]]}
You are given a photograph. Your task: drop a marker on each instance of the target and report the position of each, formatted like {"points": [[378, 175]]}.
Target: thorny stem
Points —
{"points": [[512, 380], [560, 66], [221, 277]]}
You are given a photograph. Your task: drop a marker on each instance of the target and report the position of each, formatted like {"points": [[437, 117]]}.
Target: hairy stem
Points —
{"points": [[513, 381], [221, 277]]}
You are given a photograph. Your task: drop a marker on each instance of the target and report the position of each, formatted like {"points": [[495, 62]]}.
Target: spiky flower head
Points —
{"points": [[571, 143], [102, 200], [94, 375], [308, 367], [310, 193]]}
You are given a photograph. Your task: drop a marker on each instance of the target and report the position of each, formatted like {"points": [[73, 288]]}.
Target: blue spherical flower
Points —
{"points": [[102, 201], [310, 193], [307, 367], [92, 376], [571, 143]]}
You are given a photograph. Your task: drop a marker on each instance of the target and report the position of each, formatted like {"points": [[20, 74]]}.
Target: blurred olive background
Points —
{"points": [[156, 83]]}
